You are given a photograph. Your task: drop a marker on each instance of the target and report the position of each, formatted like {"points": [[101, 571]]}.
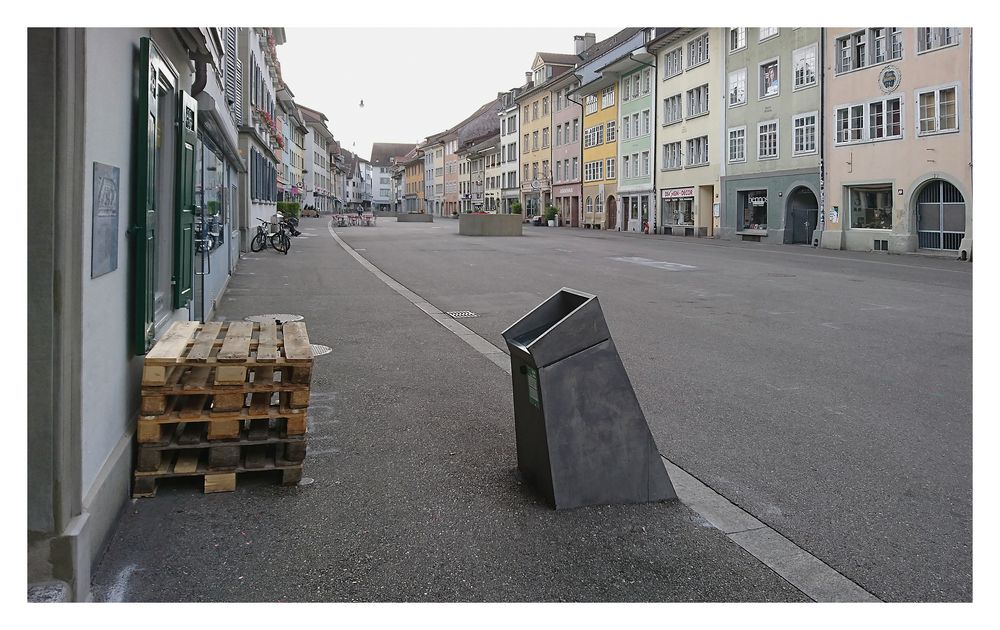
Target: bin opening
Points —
{"points": [[550, 314]]}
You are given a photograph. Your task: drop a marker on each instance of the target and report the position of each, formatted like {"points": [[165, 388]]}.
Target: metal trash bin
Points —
{"points": [[582, 438]]}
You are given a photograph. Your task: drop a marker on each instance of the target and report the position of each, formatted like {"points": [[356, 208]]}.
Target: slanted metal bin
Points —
{"points": [[582, 438]]}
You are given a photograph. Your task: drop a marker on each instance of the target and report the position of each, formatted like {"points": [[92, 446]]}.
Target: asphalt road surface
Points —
{"points": [[827, 393]]}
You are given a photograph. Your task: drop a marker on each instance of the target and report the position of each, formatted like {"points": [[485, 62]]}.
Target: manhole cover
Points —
{"points": [[319, 349], [270, 317], [461, 314]]}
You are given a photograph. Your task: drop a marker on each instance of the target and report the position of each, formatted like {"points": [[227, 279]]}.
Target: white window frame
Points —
{"points": [[667, 109], [802, 55], [610, 171], [626, 84], [626, 128], [625, 167], [760, 78], [673, 69], [936, 32], [697, 95], [815, 134], [767, 32], [729, 144], [672, 156], [866, 120], [635, 125], [936, 90], [608, 97], [777, 139], [729, 87], [647, 81], [645, 164], [692, 45], [590, 104], [741, 34], [646, 122], [701, 142], [612, 128]]}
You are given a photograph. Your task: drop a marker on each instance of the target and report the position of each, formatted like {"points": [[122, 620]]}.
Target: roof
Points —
{"points": [[383, 152], [561, 58], [607, 44], [557, 74], [312, 115], [666, 35]]}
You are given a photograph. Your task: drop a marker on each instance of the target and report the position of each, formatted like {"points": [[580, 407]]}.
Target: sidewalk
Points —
{"points": [[415, 498]]}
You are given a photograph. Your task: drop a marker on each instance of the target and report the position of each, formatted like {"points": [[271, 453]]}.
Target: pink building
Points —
{"points": [[567, 117]]}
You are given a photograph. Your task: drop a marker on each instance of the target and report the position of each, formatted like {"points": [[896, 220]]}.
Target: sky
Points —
{"points": [[333, 69]]}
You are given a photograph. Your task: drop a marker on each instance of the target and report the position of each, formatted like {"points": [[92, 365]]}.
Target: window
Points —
{"points": [[697, 151], [559, 175], [534, 170], [576, 129], [534, 140], [635, 125], [576, 168], [593, 171], [767, 140], [672, 156], [534, 110], [592, 136], [738, 87], [884, 119], [646, 82], [645, 163], [871, 207], [738, 144], [558, 135], [672, 63], [635, 86], [626, 128], [611, 131], [608, 97], [645, 122], [767, 78], [697, 101], [590, 205], [852, 51], [767, 32], [937, 37], [737, 38], [804, 134], [804, 67], [590, 104], [938, 110], [524, 146], [886, 43], [600, 134], [611, 168], [545, 105], [598, 204], [545, 138], [625, 164], [672, 109], [752, 205], [626, 89], [525, 173], [545, 169], [698, 51]]}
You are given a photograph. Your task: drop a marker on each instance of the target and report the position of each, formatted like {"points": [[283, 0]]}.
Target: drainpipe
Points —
{"points": [[200, 75], [821, 215]]}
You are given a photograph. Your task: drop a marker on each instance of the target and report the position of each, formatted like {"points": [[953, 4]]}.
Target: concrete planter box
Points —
{"points": [[414, 218], [489, 224]]}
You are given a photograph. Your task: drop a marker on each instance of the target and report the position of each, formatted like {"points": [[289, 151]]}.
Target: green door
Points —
{"points": [[187, 144]]}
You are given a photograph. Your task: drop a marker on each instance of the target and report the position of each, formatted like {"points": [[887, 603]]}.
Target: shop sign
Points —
{"points": [[758, 202], [678, 193], [566, 191]]}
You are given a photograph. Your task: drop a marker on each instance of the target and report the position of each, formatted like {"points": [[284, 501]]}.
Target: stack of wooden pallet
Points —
{"points": [[223, 398]]}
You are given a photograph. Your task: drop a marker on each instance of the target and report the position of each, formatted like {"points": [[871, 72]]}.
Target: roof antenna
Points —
{"points": [[362, 104]]}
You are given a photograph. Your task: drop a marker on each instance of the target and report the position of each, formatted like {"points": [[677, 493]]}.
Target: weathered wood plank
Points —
{"points": [[193, 406], [196, 378], [171, 346], [187, 462], [204, 342], [236, 346], [267, 346], [296, 342], [220, 483]]}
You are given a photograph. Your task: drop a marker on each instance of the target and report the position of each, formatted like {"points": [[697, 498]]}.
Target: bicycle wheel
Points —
{"points": [[259, 242], [281, 242]]}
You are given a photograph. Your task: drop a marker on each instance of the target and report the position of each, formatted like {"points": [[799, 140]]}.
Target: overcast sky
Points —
{"points": [[415, 81]]}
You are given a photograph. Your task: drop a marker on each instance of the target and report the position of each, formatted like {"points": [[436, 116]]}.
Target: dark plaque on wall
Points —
{"points": [[104, 245]]}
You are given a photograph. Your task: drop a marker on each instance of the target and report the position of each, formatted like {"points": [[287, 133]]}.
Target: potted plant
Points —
{"points": [[550, 215]]}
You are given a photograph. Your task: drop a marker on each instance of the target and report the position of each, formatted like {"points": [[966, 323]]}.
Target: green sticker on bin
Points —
{"points": [[533, 386]]}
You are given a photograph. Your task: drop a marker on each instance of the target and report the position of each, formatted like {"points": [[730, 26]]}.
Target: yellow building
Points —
{"points": [[600, 152]]}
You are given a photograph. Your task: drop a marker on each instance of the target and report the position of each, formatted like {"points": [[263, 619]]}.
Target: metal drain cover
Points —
{"points": [[270, 317], [319, 349], [462, 314]]}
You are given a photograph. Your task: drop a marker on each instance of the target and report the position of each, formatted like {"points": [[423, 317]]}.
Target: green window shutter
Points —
{"points": [[144, 230], [187, 144]]}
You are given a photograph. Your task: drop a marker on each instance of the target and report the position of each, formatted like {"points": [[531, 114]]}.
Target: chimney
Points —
{"points": [[578, 44], [527, 78], [589, 39]]}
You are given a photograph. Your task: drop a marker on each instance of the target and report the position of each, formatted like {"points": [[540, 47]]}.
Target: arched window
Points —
{"points": [[599, 206], [590, 204]]}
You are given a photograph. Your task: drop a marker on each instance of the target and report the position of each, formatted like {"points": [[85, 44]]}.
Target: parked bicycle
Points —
{"points": [[278, 240]]}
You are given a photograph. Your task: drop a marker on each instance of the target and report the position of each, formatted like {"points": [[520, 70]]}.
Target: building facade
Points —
{"points": [[772, 179], [510, 151], [413, 182], [317, 174], [898, 136], [690, 145], [566, 149]]}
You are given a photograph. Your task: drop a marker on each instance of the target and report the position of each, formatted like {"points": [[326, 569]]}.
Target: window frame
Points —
{"points": [[707, 48], [866, 120], [675, 152], [936, 90], [729, 145], [815, 58], [698, 92], [777, 140], [729, 86], [815, 127], [740, 31], [920, 39], [760, 78], [761, 37], [703, 141], [679, 68]]}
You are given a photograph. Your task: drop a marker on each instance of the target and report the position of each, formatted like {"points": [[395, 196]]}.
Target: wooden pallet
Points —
{"points": [[252, 443], [194, 463], [238, 406], [188, 380], [230, 348], [161, 430]]}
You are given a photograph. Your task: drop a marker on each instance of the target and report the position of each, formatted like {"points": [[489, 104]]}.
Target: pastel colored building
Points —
{"points": [[566, 147], [510, 151], [898, 122]]}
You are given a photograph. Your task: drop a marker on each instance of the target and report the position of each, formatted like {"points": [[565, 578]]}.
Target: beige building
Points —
{"points": [[898, 114]]}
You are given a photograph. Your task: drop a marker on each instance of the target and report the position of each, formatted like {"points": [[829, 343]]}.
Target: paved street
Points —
{"points": [[826, 393]]}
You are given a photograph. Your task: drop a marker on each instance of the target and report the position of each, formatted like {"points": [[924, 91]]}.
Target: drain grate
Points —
{"points": [[462, 314], [319, 350], [270, 317]]}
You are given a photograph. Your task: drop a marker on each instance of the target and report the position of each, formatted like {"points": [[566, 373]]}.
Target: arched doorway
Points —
{"points": [[940, 216], [611, 210], [802, 212]]}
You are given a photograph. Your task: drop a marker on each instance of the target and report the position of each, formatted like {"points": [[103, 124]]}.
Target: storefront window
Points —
{"points": [[211, 198], [678, 211], [645, 208], [871, 207], [753, 208], [634, 213]]}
